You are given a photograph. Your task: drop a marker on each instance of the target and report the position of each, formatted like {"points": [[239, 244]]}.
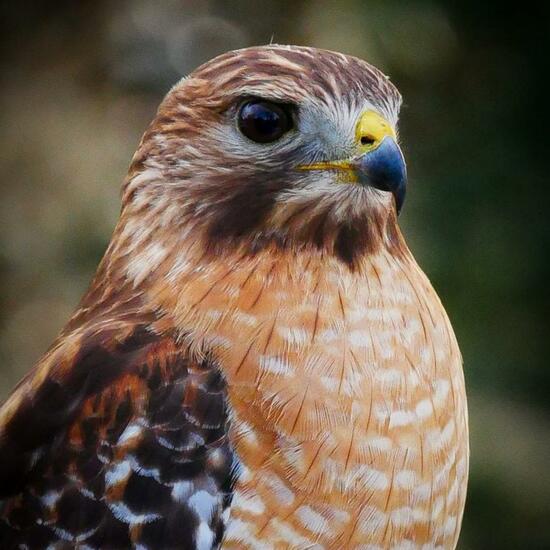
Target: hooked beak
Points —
{"points": [[384, 168], [380, 164]]}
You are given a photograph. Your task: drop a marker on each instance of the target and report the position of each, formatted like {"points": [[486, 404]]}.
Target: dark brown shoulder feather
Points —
{"points": [[118, 439]]}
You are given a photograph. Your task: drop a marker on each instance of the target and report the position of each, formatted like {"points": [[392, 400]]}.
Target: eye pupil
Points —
{"points": [[263, 121]]}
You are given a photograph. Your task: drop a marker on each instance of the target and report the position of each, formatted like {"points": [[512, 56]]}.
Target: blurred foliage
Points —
{"points": [[82, 79]]}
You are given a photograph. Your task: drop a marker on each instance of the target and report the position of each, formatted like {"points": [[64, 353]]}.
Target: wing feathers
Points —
{"points": [[124, 443]]}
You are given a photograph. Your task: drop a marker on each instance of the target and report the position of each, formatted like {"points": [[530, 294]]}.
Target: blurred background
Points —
{"points": [[81, 80]]}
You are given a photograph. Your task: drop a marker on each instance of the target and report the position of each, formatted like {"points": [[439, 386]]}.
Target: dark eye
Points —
{"points": [[263, 121]]}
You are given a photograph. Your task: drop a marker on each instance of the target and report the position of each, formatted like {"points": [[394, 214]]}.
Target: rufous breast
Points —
{"points": [[347, 397]]}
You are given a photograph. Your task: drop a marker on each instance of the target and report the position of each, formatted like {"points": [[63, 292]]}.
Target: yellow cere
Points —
{"points": [[371, 129]]}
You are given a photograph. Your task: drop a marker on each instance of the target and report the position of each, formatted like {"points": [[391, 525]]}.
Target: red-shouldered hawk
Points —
{"points": [[259, 362]]}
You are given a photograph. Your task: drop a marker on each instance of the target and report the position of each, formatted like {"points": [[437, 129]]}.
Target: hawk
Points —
{"points": [[259, 362]]}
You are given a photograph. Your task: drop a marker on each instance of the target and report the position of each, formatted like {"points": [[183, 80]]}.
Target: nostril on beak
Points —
{"points": [[367, 140]]}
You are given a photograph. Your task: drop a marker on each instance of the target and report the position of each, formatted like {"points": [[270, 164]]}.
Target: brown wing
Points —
{"points": [[121, 443]]}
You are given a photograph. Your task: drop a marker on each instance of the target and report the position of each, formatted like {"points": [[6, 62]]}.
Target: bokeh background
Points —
{"points": [[81, 80]]}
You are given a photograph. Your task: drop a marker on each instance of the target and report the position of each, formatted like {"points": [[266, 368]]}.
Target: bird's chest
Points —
{"points": [[348, 407]]}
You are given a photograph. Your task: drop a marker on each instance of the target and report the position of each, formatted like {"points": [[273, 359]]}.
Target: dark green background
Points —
{"points": [[80, 81]]}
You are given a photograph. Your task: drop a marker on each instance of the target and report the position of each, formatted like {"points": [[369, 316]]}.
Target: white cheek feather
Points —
{"points": [[330, 130]]}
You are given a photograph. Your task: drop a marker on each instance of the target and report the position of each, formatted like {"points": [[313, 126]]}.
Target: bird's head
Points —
{"points": [[280, 145]]}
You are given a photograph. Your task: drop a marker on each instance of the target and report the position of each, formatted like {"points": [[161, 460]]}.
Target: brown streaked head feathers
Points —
{"points": [[194, 163]]}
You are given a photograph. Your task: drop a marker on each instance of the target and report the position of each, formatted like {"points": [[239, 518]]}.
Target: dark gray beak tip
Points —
{"points": [[384, 168]]}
